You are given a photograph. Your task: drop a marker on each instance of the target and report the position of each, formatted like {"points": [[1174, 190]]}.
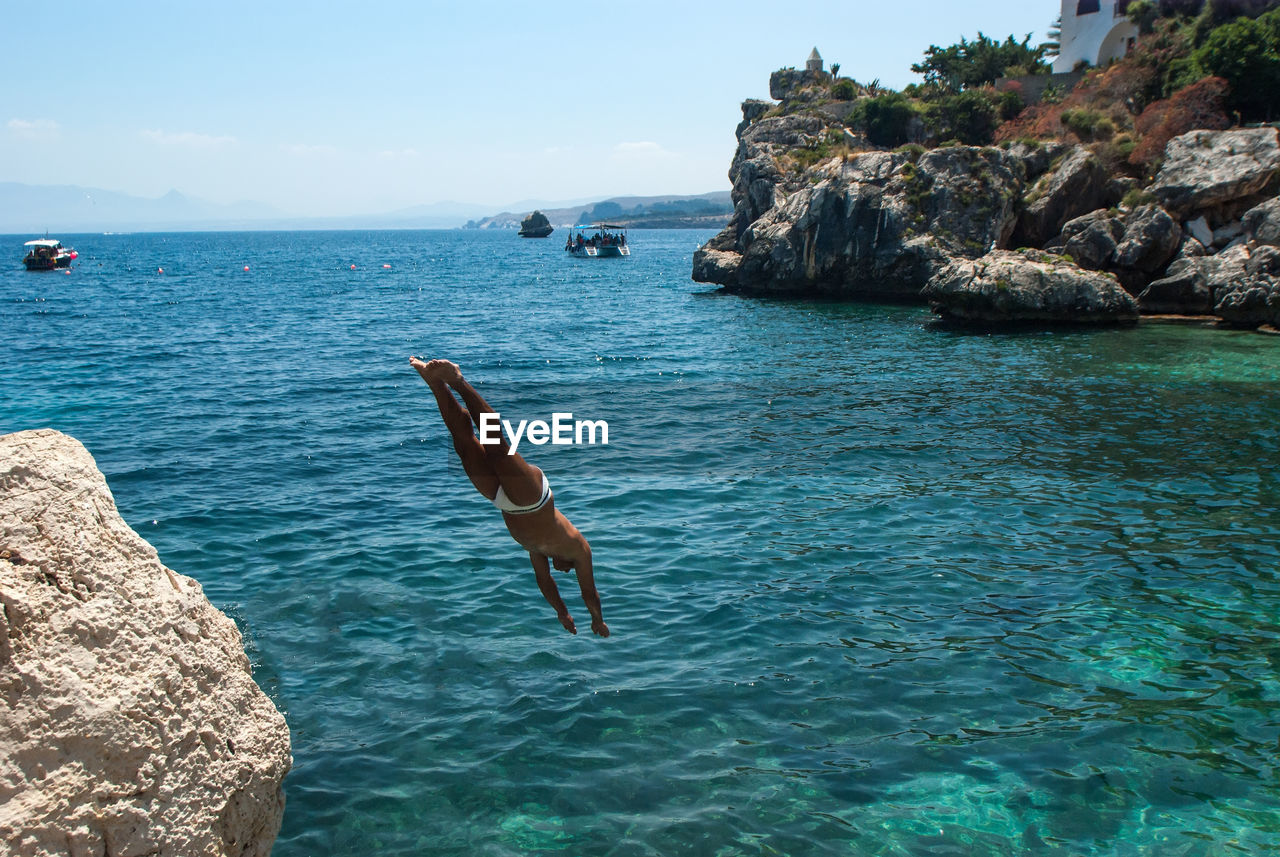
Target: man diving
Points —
{"points": [[518, 489]]}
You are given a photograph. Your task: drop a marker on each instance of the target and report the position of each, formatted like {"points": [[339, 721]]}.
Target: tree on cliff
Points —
{"points": [[1053, 46], [1246, 53], [980, 62]]}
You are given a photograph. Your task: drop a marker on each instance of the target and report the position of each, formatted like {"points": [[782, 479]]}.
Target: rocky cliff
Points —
{"points": [[131, 724], [819, 211]]}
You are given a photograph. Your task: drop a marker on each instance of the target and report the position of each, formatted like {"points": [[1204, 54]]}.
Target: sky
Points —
{"points": [[338, 108]]}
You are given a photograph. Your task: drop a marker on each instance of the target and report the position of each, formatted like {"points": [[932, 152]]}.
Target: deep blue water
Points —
{"points": [[875, 587]]}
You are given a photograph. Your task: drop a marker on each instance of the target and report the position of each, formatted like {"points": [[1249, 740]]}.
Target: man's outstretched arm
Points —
{"points": [[590, 597], [551, 592]]}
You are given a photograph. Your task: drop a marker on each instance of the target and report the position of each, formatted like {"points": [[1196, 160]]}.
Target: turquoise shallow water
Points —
{"points": [[875, 587]]}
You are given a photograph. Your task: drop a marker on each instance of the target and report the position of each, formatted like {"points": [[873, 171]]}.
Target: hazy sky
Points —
{"points": [[323, 108]]}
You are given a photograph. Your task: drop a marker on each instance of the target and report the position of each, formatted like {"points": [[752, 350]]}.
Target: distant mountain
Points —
{"points": [[34, 209], [708, 210], [69, 208]]}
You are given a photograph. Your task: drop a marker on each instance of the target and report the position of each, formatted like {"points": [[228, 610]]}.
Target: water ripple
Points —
{"points": [[876, 588]]}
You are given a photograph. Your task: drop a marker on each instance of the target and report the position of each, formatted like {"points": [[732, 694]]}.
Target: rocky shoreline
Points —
{"points": [[132, 722], [1024, 232]]}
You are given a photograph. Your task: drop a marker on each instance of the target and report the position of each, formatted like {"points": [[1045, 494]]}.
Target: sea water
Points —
{"points": [[876, 587]]}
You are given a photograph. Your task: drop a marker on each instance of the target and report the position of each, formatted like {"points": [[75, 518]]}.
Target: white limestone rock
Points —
{"points": [[1024, 287], [1203, 170], [1200, 230], [130, 722]]}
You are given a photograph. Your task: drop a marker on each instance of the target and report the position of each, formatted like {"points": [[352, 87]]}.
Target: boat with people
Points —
{"points": [[609, 239], [45, 254]]}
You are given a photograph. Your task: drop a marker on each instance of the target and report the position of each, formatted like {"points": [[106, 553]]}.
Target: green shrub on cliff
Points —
{"points": [[844, 90], [1089, 124], [885, 119], [971, 116], [913, 151]]}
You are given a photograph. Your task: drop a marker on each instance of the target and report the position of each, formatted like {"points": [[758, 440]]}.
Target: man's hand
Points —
{"points": [[567, 621], [599, 627]]}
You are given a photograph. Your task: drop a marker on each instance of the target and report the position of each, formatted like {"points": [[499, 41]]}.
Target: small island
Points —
{"points": [[536, 225]]}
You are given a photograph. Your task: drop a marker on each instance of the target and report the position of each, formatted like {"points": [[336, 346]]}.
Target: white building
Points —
{"points": [[1096, 31]]}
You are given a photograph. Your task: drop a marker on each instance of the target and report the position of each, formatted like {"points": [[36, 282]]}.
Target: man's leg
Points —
{"points": [[474, 460], [521, 481]]}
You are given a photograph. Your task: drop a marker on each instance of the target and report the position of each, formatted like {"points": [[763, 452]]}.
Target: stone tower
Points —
{"points": [[787, 82]]}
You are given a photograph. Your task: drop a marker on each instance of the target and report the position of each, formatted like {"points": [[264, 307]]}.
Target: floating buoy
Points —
{"points": [[75, 255], [68, 273], [246, 267], [353, 267], [159, 270], [386, 266]]}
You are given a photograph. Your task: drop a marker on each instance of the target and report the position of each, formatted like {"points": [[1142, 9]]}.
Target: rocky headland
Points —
{"points": [[1029, 230], [131, 723]]}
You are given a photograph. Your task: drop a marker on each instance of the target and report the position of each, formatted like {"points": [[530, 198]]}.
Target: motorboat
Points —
{"points": [[46, 254]]}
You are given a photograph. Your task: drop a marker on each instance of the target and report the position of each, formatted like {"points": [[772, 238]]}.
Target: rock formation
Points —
{"points": [[1075, 184], [875, 224], [818, 210], [1262, 224], [1028, 287], [1090, 240], [1150, 240], [131, 724], [1208, 171], [536, 225], [1252, 298], [789, 83]]}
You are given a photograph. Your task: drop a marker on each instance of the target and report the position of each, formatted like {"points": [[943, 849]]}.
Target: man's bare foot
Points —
{"points": [[431, 370], [567, 621], [599, 627], [421, 366], [449, 371]]}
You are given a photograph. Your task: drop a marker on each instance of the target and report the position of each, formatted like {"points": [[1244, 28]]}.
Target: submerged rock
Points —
{"points": [[132, 724], [1028, 287]]}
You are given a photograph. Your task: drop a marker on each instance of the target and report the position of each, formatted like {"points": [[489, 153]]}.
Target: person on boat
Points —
{"points": [[518, 489]]}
